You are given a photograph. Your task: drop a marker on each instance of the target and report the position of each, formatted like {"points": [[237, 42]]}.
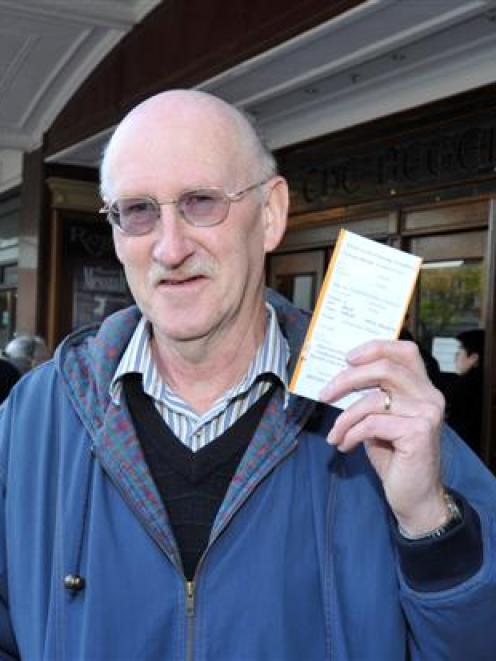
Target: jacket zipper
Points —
{"points": [[190, 614], [190, 589]]}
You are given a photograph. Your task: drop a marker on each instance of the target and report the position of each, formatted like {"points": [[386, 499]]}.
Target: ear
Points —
{"points": [[275, 212], [473, 359]]}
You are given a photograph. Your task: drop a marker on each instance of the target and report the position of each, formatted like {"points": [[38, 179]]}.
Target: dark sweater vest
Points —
{"points": [[192, 485]]}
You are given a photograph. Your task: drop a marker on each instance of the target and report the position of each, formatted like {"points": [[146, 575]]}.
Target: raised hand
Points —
{"points": [[399, 422]]}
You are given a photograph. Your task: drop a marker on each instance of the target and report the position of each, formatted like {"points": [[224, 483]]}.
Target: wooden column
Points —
{"points": [[29, 303]]}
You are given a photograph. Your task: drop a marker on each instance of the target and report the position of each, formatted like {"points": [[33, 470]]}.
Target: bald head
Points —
{"points": [[178, 119]]}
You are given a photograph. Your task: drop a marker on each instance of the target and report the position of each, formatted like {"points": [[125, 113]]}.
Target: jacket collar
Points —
{"points": [[88, 358]]}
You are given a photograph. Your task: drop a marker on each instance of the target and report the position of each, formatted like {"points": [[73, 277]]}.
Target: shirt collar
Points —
{"points": [[272, 357]]}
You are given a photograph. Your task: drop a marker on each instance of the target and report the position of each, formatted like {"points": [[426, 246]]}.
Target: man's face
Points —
{"points": [[465, 362], [192, 282]]}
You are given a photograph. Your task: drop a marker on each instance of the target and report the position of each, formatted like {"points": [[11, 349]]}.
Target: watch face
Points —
{"points": [[454, 517]]}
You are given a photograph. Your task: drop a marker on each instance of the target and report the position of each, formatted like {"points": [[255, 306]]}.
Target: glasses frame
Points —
{"points": [[228, 198]]}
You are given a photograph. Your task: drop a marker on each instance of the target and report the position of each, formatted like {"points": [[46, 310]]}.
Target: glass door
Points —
{"points": [[451, 298], [451, 292]]}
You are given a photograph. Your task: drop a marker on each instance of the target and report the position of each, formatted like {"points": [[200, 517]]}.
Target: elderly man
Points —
{"points": [[163, 495]]}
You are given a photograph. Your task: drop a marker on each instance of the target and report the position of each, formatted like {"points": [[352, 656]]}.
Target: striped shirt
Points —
{"points": [[194, 430]]}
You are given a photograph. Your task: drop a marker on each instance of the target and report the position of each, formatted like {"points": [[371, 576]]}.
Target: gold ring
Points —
{"points": [[388, 400]]}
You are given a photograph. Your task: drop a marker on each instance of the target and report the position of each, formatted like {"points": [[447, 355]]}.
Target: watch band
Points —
{"points": [[453, 518]]}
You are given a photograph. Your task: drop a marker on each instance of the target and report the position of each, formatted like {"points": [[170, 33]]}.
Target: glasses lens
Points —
{"points": [[203, 207], [135, 215]]}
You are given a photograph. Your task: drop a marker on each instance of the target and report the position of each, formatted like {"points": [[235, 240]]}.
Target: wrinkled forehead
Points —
{"points": [[193, 142]]}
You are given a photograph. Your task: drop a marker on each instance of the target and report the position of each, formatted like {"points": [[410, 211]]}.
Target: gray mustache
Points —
{"points": [[187, 270]]}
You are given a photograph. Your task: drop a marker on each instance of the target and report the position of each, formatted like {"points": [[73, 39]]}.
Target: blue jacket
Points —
{"points": [[301, 563]]}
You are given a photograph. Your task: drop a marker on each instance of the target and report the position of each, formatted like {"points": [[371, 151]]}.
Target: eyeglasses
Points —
{"points": [[203, 207]]}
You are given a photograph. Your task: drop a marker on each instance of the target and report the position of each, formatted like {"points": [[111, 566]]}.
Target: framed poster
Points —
{"points": [[87, 281]]}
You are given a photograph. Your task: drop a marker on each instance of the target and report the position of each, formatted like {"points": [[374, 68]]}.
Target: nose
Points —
{"points": [[173, 244]]}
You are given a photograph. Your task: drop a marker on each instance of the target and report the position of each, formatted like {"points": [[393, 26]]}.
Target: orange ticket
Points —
{"points": [[365, 295]]}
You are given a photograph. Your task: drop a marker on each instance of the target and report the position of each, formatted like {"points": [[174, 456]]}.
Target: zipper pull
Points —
{"points": [[190, 598]]}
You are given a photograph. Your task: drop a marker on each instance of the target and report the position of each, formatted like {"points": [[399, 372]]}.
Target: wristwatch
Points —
{"points": [[454, 517]]}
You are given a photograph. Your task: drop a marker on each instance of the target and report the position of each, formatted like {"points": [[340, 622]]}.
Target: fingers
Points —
{"points": [[399, 403], [384, 373], [376, 427], [393, 365], [368, 419], [398, 351]]}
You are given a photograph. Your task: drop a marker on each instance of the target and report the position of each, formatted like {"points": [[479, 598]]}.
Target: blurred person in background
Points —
{"points": [[26, 351], [464, 393]]}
